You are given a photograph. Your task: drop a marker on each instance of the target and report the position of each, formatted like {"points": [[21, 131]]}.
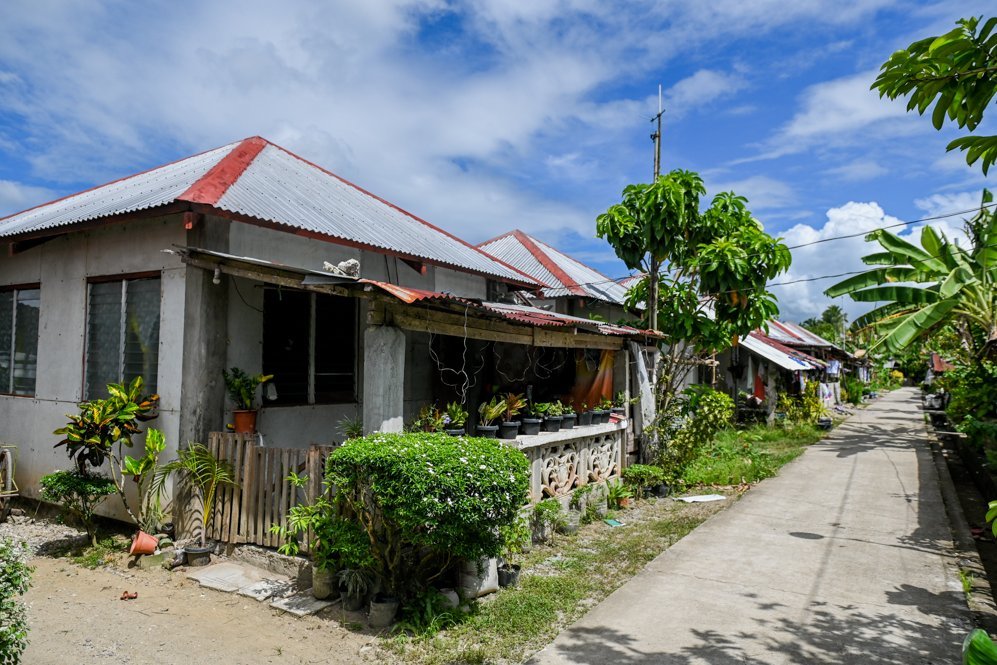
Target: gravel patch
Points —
{"points": [[42, 536]]}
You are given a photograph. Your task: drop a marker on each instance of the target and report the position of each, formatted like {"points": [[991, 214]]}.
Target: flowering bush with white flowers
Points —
{"points": [[15, 576], [427, 499]]}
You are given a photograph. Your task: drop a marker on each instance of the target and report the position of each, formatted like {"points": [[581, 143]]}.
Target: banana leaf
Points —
{"points": [[979, 649], [917, 325], [907, 295], [876, 277], [916, 256]]}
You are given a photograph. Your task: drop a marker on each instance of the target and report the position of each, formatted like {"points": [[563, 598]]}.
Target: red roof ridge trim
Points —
{"points": [[549, 264], [114, 182], [408, 214], [211, 187]]}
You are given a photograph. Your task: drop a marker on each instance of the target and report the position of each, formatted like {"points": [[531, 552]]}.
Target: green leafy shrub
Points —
{"points": [[425, 499], [546, 517], [642, 476], [974, 391], [428, 613], [807, 408], [853, 390], [702, 413], [15, 577], [80, 493]]}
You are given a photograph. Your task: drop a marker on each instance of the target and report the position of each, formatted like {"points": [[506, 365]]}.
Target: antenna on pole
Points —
{"points": [[656, 137], [652, 286]]}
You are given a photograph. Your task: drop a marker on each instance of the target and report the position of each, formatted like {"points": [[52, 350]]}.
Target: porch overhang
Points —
{"points": [[434, 312]]}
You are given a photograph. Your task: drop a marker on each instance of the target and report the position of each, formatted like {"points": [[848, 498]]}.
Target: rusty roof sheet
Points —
{"points": [[564, 275], [256, 179]]}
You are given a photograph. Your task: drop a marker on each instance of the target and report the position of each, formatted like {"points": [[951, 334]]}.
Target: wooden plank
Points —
{"points": [[246, 488], [285, 466], [261, 493]]}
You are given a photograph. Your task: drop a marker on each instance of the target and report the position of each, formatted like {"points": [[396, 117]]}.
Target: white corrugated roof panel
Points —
{"points": [[138, 192], [254, 178], [564, 275], [784, 360]]}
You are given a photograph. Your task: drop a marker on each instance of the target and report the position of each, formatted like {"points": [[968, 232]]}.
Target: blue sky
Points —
{"points": [[492, 115]]}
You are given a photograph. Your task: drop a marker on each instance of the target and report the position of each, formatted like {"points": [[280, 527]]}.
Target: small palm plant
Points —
{"points": [[198, 466]]}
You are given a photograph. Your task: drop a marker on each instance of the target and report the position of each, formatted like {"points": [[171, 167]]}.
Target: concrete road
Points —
{"points": [[845, 557]]}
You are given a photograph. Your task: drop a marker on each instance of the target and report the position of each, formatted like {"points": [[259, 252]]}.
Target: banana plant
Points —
{"points": [[928, 287]]}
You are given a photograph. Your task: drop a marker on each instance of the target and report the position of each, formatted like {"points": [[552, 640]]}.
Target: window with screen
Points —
{"points": [[122, 334], [19, 311], [310, 346]]}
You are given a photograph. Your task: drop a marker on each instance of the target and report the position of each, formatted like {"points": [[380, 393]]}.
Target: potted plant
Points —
{"points": [[551, 412], [584, 415], [509, 427], [602, 411], [618, 495], [454, 419], [354, 585], [489, 412], [198, 466], [383, 608], [516, 538], [644, 479], [567, 416], [531, 422], [429, 419], [242, 391], [620, 404]]}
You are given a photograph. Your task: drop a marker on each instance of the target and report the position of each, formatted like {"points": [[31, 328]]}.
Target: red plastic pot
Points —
{"points": [[143, 543], [245, 421]]}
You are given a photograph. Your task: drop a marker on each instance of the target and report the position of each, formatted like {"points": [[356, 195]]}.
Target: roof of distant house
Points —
{"points": [[563, 275], [258, 182]]}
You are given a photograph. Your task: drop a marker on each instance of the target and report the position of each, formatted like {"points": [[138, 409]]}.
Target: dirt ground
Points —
{"points": [[76, 616]]}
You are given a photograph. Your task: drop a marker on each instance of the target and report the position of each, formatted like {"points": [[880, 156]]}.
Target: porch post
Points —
{"points": [[384, 379]]}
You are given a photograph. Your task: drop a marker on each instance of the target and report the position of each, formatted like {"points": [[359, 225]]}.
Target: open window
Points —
{"points": [[310, 346]]}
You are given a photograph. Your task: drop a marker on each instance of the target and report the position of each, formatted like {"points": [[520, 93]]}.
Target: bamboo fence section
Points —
{"points": [[262, 496]]}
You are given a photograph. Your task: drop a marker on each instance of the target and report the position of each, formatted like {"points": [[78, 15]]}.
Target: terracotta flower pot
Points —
{"points": [[143, 543], [245, 421]]}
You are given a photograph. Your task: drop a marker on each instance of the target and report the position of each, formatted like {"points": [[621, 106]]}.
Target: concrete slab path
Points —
{"points": [[845, 557]]}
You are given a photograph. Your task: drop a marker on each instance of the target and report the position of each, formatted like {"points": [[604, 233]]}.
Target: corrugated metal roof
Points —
{"points": [[758, 344], [805, 336], [256, 179], [145, 190], [564, 275]]}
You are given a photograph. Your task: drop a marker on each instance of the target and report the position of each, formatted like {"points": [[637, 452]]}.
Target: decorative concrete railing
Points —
{"points": [[562, 461]]}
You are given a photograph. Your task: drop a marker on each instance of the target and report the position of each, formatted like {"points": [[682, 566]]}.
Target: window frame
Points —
{"points": [[8, 390], [124, 278], [310, 400]]}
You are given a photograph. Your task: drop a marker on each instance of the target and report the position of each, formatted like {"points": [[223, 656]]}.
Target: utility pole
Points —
{"points": [[656, 137], [652, 284]]}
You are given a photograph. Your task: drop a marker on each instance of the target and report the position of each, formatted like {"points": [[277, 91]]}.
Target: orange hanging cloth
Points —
{"points": [[592, 386]]}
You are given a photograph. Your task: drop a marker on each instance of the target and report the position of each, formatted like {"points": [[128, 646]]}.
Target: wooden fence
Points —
{"points": [[263, 496]]}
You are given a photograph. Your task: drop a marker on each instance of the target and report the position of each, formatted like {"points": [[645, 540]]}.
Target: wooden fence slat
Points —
{"points": [[262, 496]]}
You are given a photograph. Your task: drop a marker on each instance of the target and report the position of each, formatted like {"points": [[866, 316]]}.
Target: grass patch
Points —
{"points": [[82, 553], [558, 585], [748, 455]]}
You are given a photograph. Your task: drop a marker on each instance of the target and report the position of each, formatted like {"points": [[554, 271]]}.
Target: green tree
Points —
{"points": [[929, 287], [705, 271], [955, 72]]}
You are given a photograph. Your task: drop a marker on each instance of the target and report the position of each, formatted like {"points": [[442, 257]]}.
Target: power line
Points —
{"points": [[841, 237]]}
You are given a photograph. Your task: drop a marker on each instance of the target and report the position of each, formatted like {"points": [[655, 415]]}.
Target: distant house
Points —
{"points": [[780, 359], [571, 287], [231, 258]]}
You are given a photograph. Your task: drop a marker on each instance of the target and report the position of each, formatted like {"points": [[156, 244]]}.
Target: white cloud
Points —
{"points": [[947, 204], [692, 94], [101, 89], [801, 300], [858, 170], [762, 192], [16, 196], [838, 112]]}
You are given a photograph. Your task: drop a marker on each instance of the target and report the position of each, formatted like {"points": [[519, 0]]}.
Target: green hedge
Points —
{"points": [[427, 498]]}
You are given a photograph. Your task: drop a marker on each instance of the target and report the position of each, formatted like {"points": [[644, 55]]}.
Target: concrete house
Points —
{"points": [[231, 258]]}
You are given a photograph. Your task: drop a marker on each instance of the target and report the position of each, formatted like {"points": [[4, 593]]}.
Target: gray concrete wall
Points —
{"points": [[62, 266]]}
